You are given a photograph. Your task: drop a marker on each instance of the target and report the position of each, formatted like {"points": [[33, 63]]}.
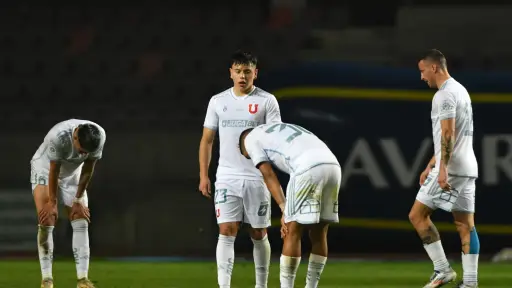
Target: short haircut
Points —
{"points": [[435, 56], [243, 58], [242, 135], [89, 137]]}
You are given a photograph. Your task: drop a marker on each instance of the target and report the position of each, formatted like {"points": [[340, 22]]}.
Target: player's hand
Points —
{"points": [[49, 211], [79, 211], [442, 179], [424, 175], [205, 187], [284, 228]]}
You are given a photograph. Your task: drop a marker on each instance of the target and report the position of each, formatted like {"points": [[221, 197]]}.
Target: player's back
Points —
{"points": [[232, 115], [463, 161], [292, 148]]}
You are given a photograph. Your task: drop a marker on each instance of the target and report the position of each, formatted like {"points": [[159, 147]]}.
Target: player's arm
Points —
{"points": [[432, 163], [85, 177], [53, 180], [273, 113], [56, 153], [211, 122], [273, 185], [205, 151], [446, 105]]}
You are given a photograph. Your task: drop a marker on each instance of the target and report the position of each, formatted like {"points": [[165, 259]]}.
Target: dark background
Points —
{"points": [[344, 69]]}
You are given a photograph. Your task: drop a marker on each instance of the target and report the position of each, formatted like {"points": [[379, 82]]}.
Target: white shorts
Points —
{"points": [[239, 200], [461, 198], [67, 187], [312, 196]]}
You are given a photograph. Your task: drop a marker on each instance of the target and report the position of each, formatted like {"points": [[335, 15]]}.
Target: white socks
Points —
{"points": [[45, 249], [470, 267], [81, 250], [436, 253], [261, 254], [225, 260], [288, 270], [315, 269]]}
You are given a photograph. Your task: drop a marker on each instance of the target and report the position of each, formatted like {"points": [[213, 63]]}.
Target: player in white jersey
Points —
{"points": [[62, 168], [240, 193], [448, 182], [312, 193]]}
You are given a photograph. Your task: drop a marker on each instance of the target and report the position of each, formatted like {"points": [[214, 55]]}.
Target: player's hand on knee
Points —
{"points": [[48, 213], [284, 228], [79, 211], [205, 187]]}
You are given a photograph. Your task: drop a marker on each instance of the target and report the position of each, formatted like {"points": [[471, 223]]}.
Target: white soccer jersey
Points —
{"points": [[453, 101], [231, 115], [58, 146], [291, 148]]}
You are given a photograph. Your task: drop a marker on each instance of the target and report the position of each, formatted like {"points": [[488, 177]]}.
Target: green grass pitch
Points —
{"points": [[107, 274]]}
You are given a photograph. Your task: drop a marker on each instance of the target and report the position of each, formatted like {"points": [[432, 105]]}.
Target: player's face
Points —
{"points": [[76, 144], [243, 75], [428, 73]]}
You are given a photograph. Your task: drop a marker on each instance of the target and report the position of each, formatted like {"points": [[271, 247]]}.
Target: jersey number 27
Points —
{"points": [[295, 128]]}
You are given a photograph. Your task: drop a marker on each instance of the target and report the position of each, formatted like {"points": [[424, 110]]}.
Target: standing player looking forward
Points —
{"points": [[240, 193], [312, 193], [63, 165], [448, 182]]}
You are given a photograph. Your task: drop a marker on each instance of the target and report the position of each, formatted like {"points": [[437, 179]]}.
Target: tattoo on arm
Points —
{"points": [[429, 235], [447, 143]]}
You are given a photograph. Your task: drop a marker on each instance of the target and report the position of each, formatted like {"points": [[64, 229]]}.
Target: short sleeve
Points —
{"points": [[211, 120], [446, 104], [273, 114], [254, 149], [58, 148], [99, 153]]}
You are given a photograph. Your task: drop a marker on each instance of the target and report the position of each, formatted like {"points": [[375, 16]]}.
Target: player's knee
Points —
{"points": [[416, 217], [228, 229], [257, 233], [48, 222]]}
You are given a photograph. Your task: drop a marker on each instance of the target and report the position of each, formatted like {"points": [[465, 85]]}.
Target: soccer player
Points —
{"points": [[63, 165], [448, 182], [312, 193], [240, 193]]}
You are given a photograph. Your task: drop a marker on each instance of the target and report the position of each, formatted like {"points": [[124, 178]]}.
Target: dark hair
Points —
{"points": [[435, 56], [244, 58], [89, 137], [245, 132]]}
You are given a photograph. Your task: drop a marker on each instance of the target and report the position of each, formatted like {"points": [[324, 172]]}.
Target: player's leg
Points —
{"points": [[463, 215], [44, 236], [291, 255], [302, 208], [329, 181], [229, 212], [80, 226], [319, 252], [420, 218], [256, 200]]}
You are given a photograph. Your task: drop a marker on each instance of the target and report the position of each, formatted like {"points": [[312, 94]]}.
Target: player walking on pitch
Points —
{"points": [[312, 193], [63, 165], [448, 182], [240, 193]]}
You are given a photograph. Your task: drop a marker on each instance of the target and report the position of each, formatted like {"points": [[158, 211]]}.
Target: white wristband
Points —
{"points": [[282, 207], [78, 200]]}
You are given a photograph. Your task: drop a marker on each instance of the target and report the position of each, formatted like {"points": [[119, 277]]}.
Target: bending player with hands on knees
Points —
{"points": [[61, 170], [311, 196]]}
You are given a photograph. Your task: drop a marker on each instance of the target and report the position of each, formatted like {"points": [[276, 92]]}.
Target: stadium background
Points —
{"points": [[145, 72]]}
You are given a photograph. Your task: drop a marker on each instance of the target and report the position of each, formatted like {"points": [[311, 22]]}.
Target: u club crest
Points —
{"points": [[253, 108]]}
